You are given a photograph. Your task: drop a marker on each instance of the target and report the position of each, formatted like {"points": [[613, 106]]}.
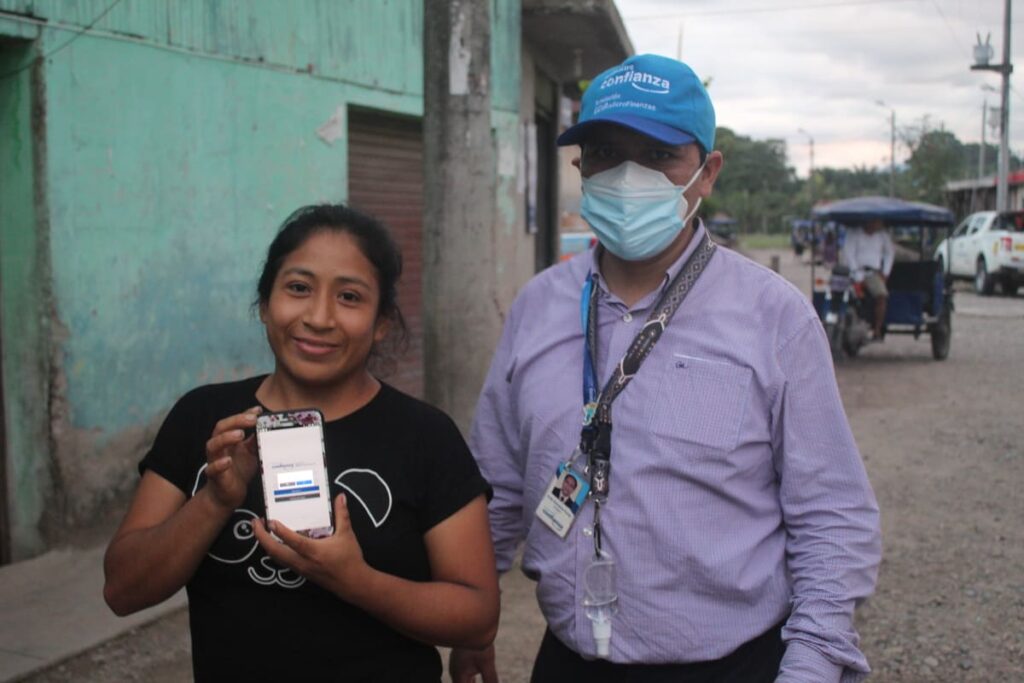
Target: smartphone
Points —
{"points": [[293, 467]]}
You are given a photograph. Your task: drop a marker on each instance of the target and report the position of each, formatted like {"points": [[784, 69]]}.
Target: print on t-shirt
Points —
{"points": [[370, 490], [237, 542]]}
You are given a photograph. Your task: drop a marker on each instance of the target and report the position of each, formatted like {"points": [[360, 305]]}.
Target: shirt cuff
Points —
{"points": [[804, 664]]}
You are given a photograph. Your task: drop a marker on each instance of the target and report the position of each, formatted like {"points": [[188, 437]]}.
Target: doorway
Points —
{"points": [[17, 213], [545, 119]]}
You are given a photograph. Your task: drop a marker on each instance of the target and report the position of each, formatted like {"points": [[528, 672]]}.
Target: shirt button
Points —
{"points": [[628, 318]]}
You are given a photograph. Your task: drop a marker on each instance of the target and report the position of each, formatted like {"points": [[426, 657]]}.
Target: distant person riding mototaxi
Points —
{"points": [[870, 253]]}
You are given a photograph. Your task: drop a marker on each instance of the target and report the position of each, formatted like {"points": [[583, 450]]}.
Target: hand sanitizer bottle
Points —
{"points": [[601, 600]]}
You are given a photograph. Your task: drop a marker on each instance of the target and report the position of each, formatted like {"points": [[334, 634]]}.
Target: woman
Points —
{"points": [[410, 564]]}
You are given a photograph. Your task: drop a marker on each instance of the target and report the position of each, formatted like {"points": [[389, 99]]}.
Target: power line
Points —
{"points": [[938, 9], [777, 8], [73, 38]]}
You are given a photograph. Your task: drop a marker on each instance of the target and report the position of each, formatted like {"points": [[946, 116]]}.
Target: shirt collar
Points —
{"points": [[670, 272]]}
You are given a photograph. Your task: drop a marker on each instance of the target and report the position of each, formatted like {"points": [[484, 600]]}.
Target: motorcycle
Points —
{"points": [[842, 306]]}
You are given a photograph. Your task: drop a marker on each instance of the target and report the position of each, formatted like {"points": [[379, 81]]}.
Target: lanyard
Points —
{"points": [[588, 316], [595, 437]]}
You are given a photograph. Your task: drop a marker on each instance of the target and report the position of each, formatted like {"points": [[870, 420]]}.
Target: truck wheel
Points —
{"points": [[984, 283], [941, 333], [1010, 287]]}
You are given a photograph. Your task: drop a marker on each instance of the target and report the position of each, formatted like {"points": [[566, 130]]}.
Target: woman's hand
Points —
{"points": [[231, 458], [464, 665], [335, 563], [457, 607]]}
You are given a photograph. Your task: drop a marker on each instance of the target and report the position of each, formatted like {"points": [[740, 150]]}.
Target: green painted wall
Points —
{"points": [[506, 43], [178, 136], [375, 43]]}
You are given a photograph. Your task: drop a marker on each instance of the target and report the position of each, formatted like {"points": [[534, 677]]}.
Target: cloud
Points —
{"points": [[780, 65]]}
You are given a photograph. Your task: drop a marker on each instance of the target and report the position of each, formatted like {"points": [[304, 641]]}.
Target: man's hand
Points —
{"points": [[464, 665]]}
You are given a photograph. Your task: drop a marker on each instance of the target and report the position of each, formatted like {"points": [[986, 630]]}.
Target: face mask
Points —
{"points": [[635, 211]]}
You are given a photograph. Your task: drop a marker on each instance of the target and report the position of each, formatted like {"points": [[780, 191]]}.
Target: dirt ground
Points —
{"points": [[943, 445]]}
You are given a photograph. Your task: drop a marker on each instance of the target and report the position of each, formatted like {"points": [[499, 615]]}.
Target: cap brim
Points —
{"points": [[578, 134]]}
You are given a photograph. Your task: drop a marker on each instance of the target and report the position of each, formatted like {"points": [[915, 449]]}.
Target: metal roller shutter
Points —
{"points": [[385, 180]]}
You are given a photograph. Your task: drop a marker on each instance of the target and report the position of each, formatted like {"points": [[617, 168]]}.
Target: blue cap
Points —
{"points": [[653, 95]]}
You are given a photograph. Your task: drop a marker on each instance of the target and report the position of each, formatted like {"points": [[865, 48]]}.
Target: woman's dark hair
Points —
{"points": [[374, 240]]}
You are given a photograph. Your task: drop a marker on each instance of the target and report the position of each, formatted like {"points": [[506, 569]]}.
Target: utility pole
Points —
{"points": [[811, 196], [892, 153], [892, 147], [460, 320], [810, 172], [1003, 200], [981, 156], [982, 54]]}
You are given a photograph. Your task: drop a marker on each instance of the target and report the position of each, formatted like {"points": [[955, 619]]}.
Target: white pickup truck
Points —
{"points": [[987, 247]]}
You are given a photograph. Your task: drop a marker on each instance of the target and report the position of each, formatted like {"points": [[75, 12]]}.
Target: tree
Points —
{"points": [[989, 166], [860, 181], [936, 157], [755, 186]]}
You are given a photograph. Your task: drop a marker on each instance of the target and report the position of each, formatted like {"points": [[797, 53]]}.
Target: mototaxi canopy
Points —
{"points": [[893, 211]]}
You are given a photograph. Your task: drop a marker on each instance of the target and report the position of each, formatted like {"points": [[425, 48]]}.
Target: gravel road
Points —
{"points": [[943, 445]]}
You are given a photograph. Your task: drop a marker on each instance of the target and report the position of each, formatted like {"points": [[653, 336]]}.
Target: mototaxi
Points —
{"points": [[920, 293]]}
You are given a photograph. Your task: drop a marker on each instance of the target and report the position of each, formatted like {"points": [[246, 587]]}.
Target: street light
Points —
{"points": [[981, 148], [810, 193], [983, 53], [810, 142], [892, 147], [810, 171], [981, 152]]}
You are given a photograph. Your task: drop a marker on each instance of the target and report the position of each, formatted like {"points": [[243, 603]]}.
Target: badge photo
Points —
{"points": [[563, 498]]}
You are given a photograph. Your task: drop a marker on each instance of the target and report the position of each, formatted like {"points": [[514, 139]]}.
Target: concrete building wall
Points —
{"points": [[177, 136]]}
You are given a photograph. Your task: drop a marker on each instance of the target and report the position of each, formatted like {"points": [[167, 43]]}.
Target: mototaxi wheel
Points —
{"points": [[850, 344], [834, 333], [941, 333]]}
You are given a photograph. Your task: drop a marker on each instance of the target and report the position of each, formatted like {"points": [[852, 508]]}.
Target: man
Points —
{"points": [[736, 510], [870, 253], [566, 493]]}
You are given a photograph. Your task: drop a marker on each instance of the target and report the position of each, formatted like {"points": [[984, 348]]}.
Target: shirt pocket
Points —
{"points": [[701, 402]]}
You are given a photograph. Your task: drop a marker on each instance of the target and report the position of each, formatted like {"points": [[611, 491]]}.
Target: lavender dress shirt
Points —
{"points": [[738, 496]]}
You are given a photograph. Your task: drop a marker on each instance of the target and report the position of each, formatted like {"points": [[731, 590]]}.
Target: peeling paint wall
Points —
{"points": [[506, 45], [178, 136], [513, 105]]}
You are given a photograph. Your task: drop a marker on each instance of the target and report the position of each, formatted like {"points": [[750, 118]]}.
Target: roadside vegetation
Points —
{"points": [[761, 192], [760, 240]]}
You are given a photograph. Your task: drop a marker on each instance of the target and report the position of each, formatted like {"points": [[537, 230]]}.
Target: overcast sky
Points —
{"points": [[780, 65]]}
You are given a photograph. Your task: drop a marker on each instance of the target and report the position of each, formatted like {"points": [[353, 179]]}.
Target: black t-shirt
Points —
{"points": [[403, 466]]}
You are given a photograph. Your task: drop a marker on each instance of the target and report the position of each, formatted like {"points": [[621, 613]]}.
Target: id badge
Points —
{"points": [[563, 498]]}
